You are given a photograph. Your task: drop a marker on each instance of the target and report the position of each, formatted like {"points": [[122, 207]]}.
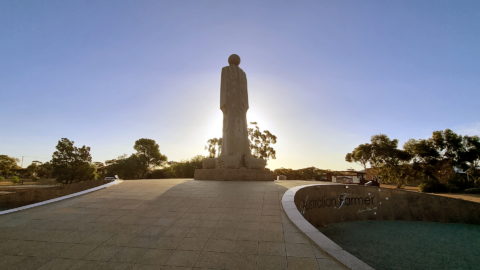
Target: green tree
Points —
{"points": [[422, 151], [261, 142], [434, 161], [100, 170], [8, 166], [389, 159], [33, 170], [381, 151], [471, 154], [385, 151], [186, 169], [439, 164], [214, 147], [45, 170], [449, 145], [383, 154], [131, 167], [138, 165], [361, 154], [72, 164], [149, 154]]}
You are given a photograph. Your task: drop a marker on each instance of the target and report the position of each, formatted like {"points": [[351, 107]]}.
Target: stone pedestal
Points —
{"points": [[241, 174]]}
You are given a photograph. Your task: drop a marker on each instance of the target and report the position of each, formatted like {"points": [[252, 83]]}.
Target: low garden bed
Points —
{"points": [[12, 197]]}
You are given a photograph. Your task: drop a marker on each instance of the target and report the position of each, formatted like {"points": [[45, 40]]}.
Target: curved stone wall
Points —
{"points": [[312, 206], [325, 204]]}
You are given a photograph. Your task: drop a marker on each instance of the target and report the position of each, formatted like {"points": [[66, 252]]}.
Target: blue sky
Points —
{"points": [[323, 75]]}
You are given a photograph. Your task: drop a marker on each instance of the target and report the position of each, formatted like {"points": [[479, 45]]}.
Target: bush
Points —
{"points": [[183, 169], [17, 180], [310, 173], [2, 178], [160, 174], [432, 186], [126, 168], [458, 183], [472, 190]]}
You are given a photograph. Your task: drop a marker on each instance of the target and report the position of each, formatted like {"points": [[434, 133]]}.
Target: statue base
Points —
{"points": [[241, 174]]}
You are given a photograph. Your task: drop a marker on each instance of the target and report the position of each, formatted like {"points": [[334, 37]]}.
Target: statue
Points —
{"points": [[234, 105], [235, 161]]}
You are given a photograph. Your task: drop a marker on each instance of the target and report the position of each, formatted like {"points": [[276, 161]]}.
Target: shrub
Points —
{"points": [[432, 186], [160, 173], [472, 190], [459, 183], [2, 178], [16, 180]]}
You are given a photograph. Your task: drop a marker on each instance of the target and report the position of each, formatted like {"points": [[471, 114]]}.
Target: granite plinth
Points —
{"points": [[241, 174]]}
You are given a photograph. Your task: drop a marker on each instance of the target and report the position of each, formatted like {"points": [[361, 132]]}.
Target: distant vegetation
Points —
{"points": [[261, 142], [70, 164], [137, 165], [182, 169], [9, 170], [8, 166], [310, 173], [444, 162]]}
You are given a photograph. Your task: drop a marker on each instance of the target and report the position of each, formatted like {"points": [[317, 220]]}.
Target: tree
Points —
{"points": [[182, 169], [449, 145], [45, 170], [72, 164], [137, 165], [381, 151], [385, 151], [8, 165], [100, 169], [471, 154], [33, 169], [261, 141], [214, 147], [435, 161], [389, 159], [131, 167], [447, 151], [361, 154], [186, 169], [383, 154], [422, 151], [148, 153]]}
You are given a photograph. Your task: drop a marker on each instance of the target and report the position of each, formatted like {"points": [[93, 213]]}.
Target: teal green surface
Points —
{"points": [[409, 244]]}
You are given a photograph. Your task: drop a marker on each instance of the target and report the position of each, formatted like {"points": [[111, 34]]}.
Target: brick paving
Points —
{"points": [[162, 224]]}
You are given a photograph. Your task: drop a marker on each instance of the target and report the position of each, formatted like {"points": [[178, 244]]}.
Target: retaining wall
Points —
{"points": [[325, 204]]}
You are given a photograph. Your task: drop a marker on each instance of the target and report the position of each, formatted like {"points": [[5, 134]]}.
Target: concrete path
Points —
{"points": [[162, 224]]}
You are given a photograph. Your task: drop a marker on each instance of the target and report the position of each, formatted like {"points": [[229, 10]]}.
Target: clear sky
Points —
{"points": [[323, 75]]}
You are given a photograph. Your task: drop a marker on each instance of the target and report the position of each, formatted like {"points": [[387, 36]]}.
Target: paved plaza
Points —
{"points": [[162, 224]]}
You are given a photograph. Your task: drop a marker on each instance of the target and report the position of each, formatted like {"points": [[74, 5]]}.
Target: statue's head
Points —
{"points": [[234, 60]]}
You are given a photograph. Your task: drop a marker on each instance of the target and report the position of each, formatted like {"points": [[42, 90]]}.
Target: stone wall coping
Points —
{"points": [[60, 198], [325, 243]]}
